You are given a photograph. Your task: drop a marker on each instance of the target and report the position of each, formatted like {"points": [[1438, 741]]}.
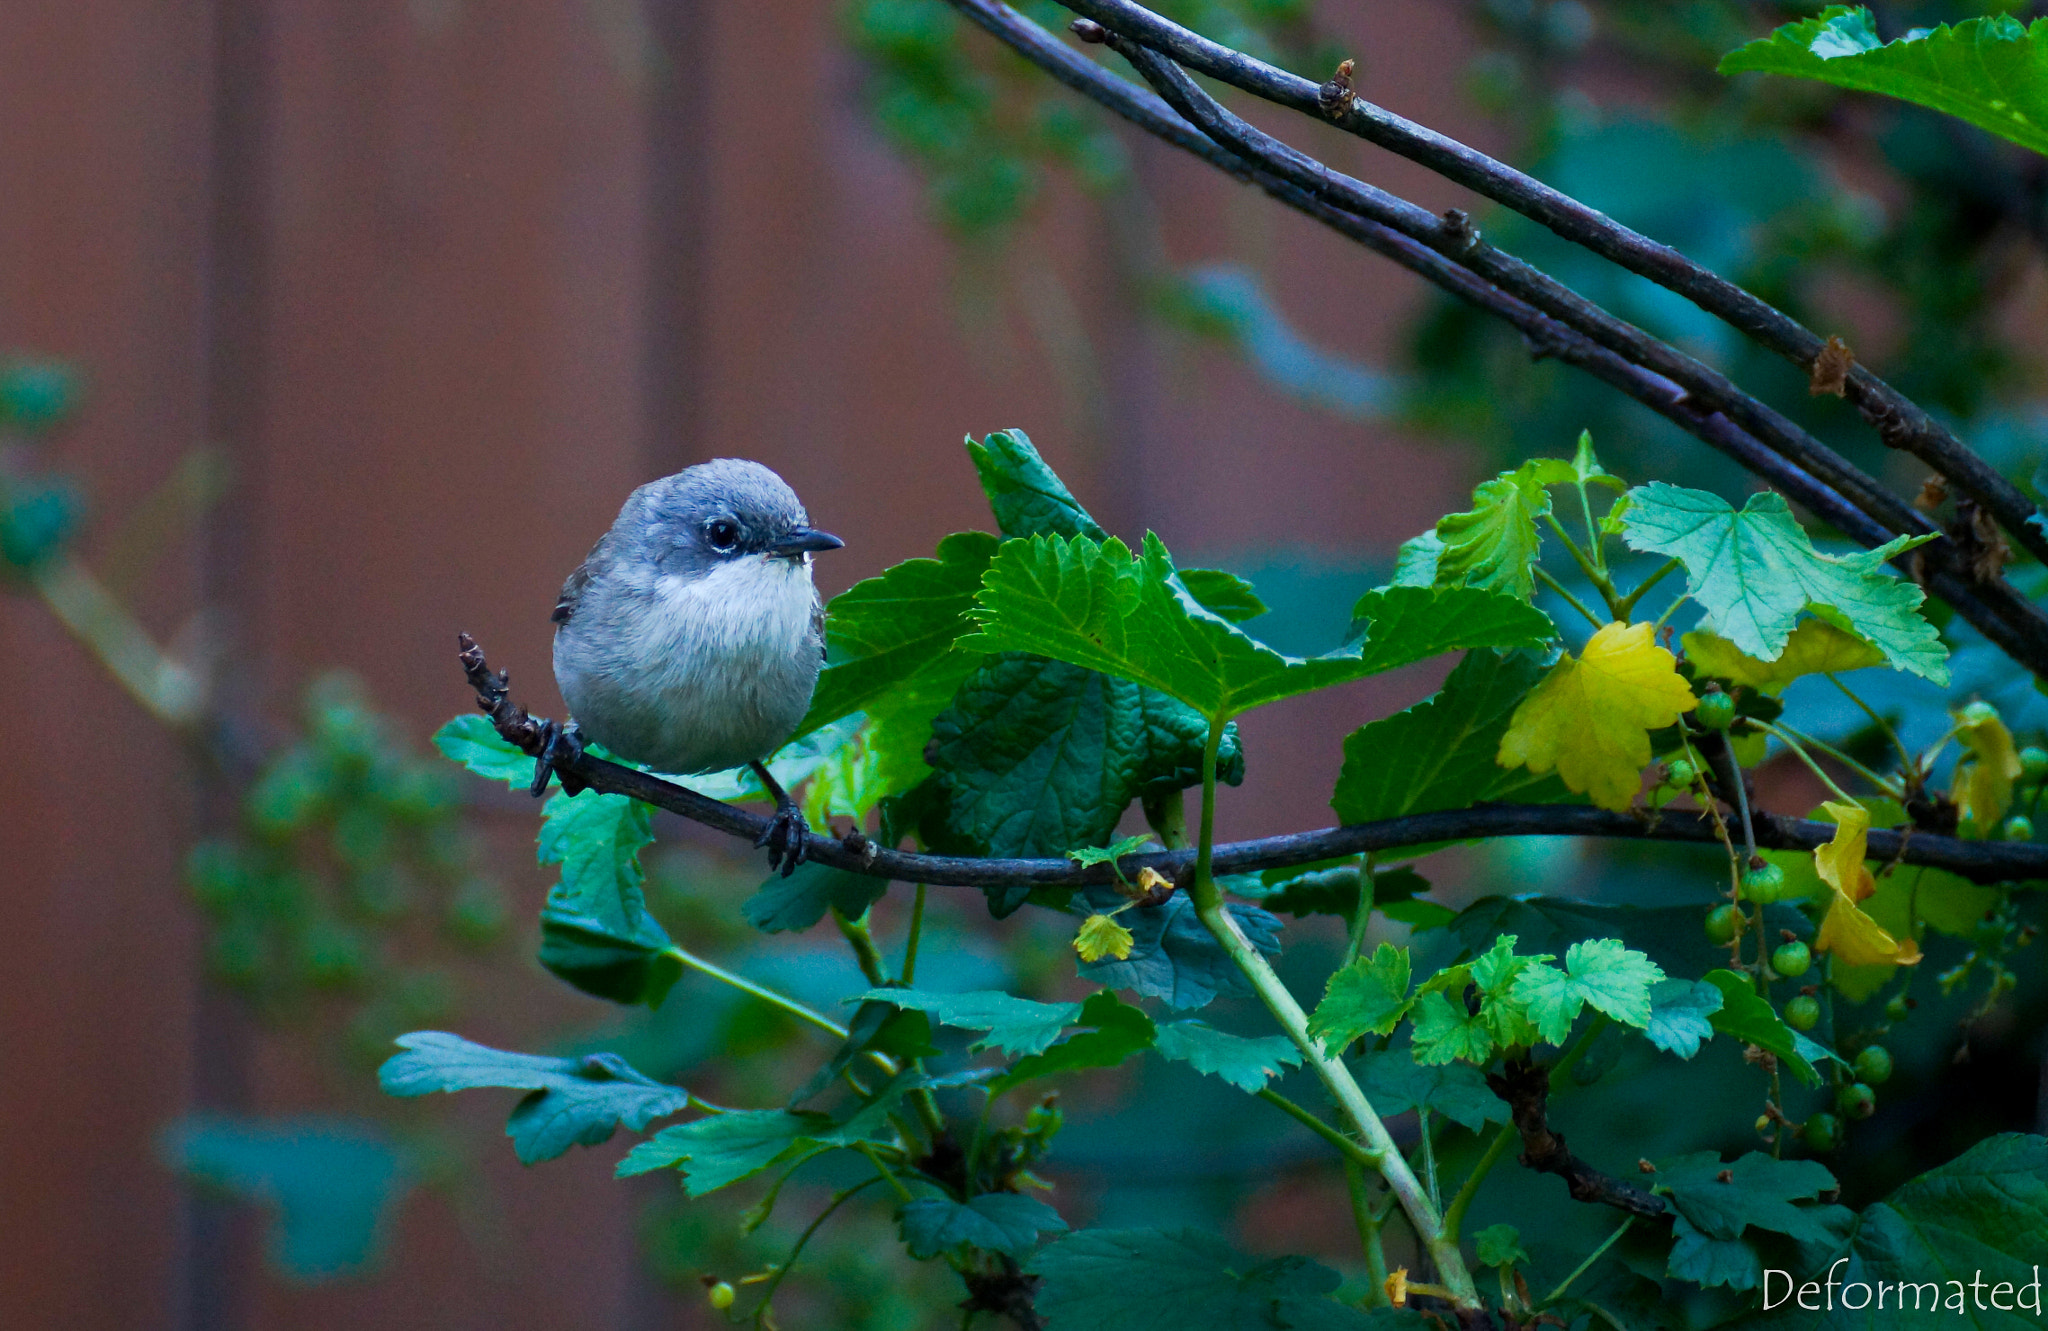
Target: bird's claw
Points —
{"points": [[560, 745], [788, 839]]}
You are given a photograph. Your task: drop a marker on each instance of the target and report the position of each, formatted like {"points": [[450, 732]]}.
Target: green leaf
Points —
{"points": [[1991, 71], [721, 1149], [1089, 856], [1369, 996], [1396, 1083], [1222, 593], [1097, 605], [1983, 1213], [573, 1101], [1416, 560], [1494, 545], [1710, 1216], [1680, 1013], [1445, 1032], [1014, 1025], [1754, 571], [890, 639], [902, 1033], [1037, 757], [595, 929], [1439, 754], [1500, 1245], [1118, 1030], [475, 743], [1002, 1222], [1749, 1018], [800, 900], [1025, 495], [1602, 973], [1151, 1280], [1174, 957], [1247, 1064]]}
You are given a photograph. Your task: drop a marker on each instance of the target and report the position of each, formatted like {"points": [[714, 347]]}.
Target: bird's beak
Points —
{"points": [[803, 541]]}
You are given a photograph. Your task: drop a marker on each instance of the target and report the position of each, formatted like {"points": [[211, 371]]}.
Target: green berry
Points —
{"points": [[1896, 1008], [1681, 773], [1803, 1012], [1874, 1065], [1722, 922], [1763, 1125], [1856, 1100], [1823, 1132], [1765, 885], [2033, 763], [2019, 827], [1979, 713], [720, 1293], [1716, 711], [1792, 960]]}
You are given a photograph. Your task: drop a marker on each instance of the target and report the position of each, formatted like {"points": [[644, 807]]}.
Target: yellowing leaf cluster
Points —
{"points": [[1591, 716], [1851, 934], [1986, 772], [1816, 647]]}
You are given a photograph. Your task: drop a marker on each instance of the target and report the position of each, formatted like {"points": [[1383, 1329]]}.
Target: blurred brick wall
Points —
{"points": [[444, 280]]}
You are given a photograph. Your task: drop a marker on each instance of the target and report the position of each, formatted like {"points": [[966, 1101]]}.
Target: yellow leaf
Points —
{"points": [[1101, 937], [1984, 775], [1397, 1287], [1590, 718], [1816, 647], [1852, 935]]}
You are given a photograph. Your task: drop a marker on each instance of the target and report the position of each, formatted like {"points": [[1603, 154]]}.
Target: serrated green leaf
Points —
{"points": [[1494, 545], [1118, 1030], [1036, 757], [1439, 754], [1749, 1018], [1087, 856], [1369, 996], [1991, 71], [1014, 1025], [475, 743], [1396, 1083], [1710, 1216], [1445, 1032], [1603, 974], [1097, 605], [1680, 1015], [572, 1101], [1002, 1222], [1150, 1280], [1755, 571], [595, 930], [800, 900], [1222, 593], [1244, 1062], [1495, 973], [1028, 499], [721, 1149], [1174, 957], [1500, 1245], [1416, 560]]}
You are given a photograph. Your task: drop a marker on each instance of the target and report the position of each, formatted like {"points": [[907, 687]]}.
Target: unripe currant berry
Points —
{"points": [[2019, 827], [1681, 773], [1823, 1132], [1897, 1008], [2033, 763], [1803, 1013], [1716, 711], [1856, 1100], [1979, 713], [1722, 922], [1874, 1065], [720, 1294], [1763, 1125], [1763, 885], [1792, 960]]}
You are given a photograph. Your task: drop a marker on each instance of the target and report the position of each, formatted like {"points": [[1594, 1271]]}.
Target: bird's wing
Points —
{"points": [[572, 590]]}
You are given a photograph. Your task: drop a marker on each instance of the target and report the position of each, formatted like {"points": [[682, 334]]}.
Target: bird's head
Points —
{"points": [[726, 510]]}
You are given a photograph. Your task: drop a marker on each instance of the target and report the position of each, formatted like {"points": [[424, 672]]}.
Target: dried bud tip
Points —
{"points": [[1831, 369], [1089, 31], [1645, 1167]]}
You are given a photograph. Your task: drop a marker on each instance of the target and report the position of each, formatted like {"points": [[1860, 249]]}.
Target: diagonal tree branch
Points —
{"points": [[2008, 619], [1899, 422], [1981, 861]]}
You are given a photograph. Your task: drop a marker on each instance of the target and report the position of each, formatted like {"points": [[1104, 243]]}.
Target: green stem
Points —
{"points": [[1669, 611], [838, 1199], [1792, 737], [1799, 750], [1905, 758], [1454, 1214], [1336, 1078], [1543, 576], [862, 941], [768, 996], [1350, 1149], [169, 689], [1370, 1223], [1594, 540], [1361, 916], [1422, 1128], [1594, 573], [896, 1184], [1628, 603], [1586, 1265], [916, 932], [1565, 1061]]}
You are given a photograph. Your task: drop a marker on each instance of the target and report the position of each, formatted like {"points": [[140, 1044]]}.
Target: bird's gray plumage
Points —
{"points": [[691, 638]]}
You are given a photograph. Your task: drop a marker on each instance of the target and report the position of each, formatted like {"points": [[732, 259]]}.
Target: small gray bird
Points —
{"points": [[691, 638]]}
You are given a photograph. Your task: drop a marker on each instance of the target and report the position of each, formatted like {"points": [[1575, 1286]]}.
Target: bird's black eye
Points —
{"points": [[723, 534]]}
